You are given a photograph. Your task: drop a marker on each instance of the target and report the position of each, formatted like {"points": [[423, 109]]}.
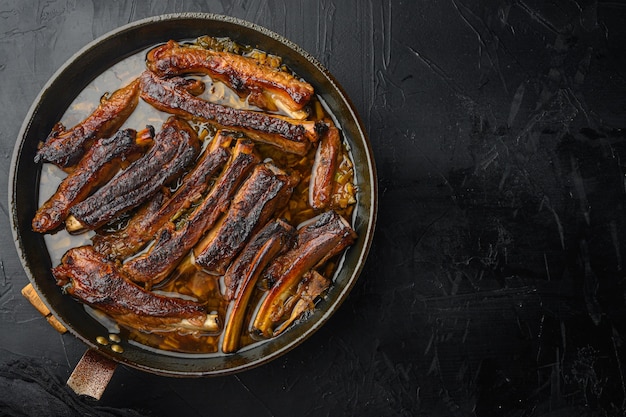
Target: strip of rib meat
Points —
{"points": [[144, 225], [318, 240], [288, 134], [90, 278], [246, 76], [258, 251], [241, 277], [324, 169], [175, 147], [267, 189], [65, 147], [97, 166], [171, 245]]}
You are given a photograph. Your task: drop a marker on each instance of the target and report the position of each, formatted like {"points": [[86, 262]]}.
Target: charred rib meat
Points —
{"points": [[324, 237], [90, 278], [146, 223], [266, 190], [241, 277], [65, 147], [172, 245], [259, 83], [98, 165], [275, 237], [175, 147], [125, 242], [290, 135], [324, 169]]}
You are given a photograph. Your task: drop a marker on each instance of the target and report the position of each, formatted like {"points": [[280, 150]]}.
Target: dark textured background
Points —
{"points": [[495, 285]]}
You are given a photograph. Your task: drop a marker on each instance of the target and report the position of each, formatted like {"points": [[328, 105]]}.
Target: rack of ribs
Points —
{"points": [[290, 135], [172, 244], [262, 85], [92, 279], [95, 168], [144, 225], [65, 147], [175, 147], [267, 189]]}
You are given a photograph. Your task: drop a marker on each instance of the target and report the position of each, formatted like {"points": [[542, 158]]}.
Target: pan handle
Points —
{"points": [[92, 374]]}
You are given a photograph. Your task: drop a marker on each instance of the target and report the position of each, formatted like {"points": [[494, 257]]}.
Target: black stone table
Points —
{"points": [[496, 282]]}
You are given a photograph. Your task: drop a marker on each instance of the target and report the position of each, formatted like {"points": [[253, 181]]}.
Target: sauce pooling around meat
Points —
{"points": [[188, 280]]}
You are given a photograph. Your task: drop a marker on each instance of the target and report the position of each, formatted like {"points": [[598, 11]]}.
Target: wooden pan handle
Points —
{"points": [[31, 295], [92, 374]]}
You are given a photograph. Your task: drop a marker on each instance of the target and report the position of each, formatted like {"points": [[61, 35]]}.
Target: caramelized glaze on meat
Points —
{"points": [[324, 169], [98, 165], [266, 190], [240, 279], [97, 282], [65, 147], [172, 245], [246, 76], [324, 237], [145, 224], [175, 147], [277, 232], [290, 135]]}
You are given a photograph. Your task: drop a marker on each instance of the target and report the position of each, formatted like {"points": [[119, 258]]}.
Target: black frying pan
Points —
{"points": [[73, 77]]}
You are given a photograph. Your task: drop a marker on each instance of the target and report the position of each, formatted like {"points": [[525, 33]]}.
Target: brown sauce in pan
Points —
{"points": [[187, 280]]}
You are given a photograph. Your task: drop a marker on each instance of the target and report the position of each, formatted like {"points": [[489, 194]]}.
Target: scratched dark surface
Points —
{"points": [[495, 285]]}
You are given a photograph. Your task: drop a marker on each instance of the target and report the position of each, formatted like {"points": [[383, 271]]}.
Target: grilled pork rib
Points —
{"points": [[92, 279], [175, 147], [324, 169], [172, 245], [144, 225], [98, 165], [319, 240], [290, 135], [262, 85], [266, 190], [240, 279], [65, 147]]}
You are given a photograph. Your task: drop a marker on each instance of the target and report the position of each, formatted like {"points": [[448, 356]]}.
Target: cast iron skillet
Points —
{"points": [[68, 82]]}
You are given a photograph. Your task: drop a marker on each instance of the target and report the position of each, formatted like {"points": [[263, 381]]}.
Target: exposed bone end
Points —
{"points": [[74, 226], [145, 137], [221, 139], [210, 323], [285, 105]]}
